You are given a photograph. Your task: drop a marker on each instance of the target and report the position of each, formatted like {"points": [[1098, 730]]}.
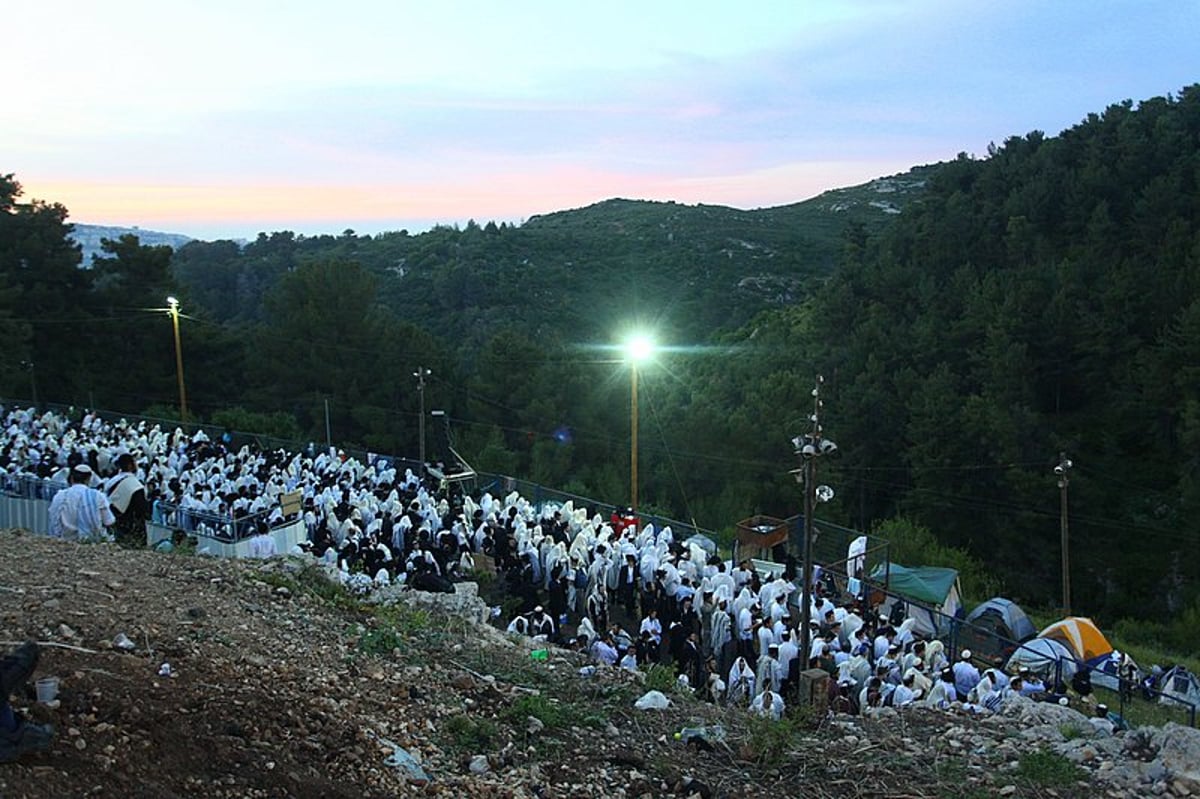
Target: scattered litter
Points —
{"points": [[653, 700], [165, 670], [402, 759], [123, 642]]}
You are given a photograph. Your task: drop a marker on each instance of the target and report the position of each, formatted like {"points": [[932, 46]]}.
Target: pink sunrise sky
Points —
{"points": [[224, 119]]}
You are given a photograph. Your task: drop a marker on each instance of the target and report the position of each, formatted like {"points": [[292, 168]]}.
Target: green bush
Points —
{"points": [[911, 544], [660, 678], [550, 713], [1047, 769], [771, 739], [468, 734]]}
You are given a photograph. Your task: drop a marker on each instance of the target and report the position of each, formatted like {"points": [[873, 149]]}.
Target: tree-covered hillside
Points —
{"points": [[1043, 299], [972, 319]]}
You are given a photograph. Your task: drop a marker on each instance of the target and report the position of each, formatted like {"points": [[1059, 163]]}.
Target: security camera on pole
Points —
{"points": [[809, 447], [421, 374]]}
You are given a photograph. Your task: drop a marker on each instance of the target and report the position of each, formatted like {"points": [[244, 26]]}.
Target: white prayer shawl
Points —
{"points": [[859, 668], [261, 546], [743, 602], [904, 635], [855, 560], [941, 695], [767, 674], [719, 633], [851, 623], [920, 681], [587, 630], [741, 681]]}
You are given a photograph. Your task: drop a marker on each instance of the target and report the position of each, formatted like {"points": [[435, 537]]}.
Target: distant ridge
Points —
{"points": [[88, 237]]}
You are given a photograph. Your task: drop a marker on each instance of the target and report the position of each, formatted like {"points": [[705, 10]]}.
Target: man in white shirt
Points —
{"points": [[81, 512]]}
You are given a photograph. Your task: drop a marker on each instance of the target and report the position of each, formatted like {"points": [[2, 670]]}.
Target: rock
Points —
{"points": [[533, 725], [479, 765], [1179, 749], [1007, 790]]}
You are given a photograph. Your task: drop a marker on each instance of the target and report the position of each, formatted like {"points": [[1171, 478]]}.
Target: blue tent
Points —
{"points": [[1005, 618]]}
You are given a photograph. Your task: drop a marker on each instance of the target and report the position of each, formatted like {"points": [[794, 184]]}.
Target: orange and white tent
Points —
{"points": [[1082, 637]]}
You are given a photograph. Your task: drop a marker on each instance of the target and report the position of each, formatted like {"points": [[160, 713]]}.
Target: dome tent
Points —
{"points": [[995, 628], [1180, 685], [1082, 637], [1041, 656], [1006, 617]]}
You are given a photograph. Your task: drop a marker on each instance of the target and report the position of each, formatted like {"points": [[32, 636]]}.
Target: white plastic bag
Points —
{"points": [[653, 700]]}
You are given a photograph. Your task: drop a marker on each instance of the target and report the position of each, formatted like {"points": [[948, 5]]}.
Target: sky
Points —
{"points": [[221, 119]]}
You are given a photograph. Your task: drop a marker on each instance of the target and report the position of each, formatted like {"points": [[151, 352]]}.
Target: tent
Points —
{"points": [[1005, 618], [1040, 655], [993, 630], [929, 590], [1109, 672], [1180, 684], [1082, 637]]}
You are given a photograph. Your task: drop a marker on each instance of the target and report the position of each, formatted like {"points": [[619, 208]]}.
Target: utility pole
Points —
{"points": [[328, 429], [173, 311], [421, 374], [1062, 470], [809, 447]]}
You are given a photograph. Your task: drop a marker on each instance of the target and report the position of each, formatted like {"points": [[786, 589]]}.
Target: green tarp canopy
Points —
{"points": [[928, 584]]}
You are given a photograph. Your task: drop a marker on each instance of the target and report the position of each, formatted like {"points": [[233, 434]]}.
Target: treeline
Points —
{"points": [[1043, 299]]}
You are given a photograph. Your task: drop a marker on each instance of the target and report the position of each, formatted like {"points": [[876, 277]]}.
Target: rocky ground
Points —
{"points": [[188, 676]]}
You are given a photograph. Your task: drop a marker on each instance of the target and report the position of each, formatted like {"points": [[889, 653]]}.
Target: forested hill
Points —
{"points": [[572, 274], [1042, 299]]}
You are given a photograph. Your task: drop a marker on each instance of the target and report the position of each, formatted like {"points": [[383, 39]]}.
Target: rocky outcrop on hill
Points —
{"points": [[184, 675]]}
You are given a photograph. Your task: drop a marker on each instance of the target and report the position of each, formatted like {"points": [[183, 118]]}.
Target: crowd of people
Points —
{"points": [[630, 595]]}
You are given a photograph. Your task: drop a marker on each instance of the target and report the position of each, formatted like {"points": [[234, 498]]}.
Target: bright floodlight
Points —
{"points": [[172, 301], [639, 348]]}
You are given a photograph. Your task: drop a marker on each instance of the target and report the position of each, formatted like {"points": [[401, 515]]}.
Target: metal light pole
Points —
{"points": [[638, 348], [173, 310], [809, 447], [421, 374], [1062, 469]]}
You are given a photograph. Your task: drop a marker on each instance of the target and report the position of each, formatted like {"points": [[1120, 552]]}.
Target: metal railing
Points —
{"points": [[29, 486], [499, 486], [219, 526]]}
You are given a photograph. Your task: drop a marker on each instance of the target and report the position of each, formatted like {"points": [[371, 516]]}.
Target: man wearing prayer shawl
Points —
{"points": [[81, 512]]}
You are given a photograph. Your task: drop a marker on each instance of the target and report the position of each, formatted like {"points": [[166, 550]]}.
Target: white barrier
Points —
{"points": [[34, 515], [279, 540], [28, 514]]}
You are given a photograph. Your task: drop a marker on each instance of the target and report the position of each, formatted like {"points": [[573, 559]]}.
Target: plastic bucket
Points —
{"points": [[47, 689]]}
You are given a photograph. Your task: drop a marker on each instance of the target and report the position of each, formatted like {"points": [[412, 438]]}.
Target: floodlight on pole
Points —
{"points": [[639, 348], [173, 311], [1062, 470], [810, 446]]}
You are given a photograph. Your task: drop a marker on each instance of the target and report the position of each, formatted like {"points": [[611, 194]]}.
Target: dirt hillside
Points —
{"points": [[281, 685]]}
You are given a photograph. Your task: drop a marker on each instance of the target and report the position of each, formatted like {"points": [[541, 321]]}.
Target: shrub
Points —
{"points": [[1047, 769], [469, 735]]}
